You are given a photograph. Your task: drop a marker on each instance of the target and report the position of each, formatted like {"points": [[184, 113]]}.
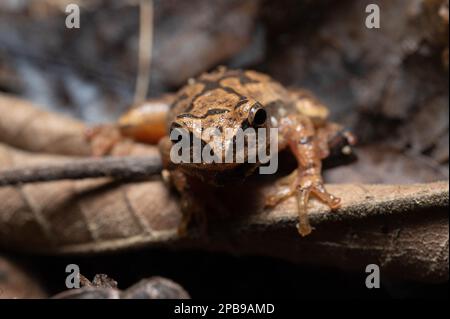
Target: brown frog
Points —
{"points": [[232, 100]]}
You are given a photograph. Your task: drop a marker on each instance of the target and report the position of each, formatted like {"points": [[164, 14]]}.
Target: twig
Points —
{"points": [[118, 167], [145, 50]]}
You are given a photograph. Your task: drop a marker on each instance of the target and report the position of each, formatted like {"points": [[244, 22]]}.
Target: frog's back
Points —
{"points": [[224, 89]]}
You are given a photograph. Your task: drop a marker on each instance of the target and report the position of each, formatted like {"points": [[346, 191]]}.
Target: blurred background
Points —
{"points": [[388, 85]]}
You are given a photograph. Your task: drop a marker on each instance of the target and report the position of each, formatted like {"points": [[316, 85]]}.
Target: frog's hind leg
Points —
{"points": [[145, 123], [300, 134], [285, 188]]}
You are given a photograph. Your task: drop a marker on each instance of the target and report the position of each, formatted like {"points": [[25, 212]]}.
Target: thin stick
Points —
{"points": [[116, 167], [145, 50]]}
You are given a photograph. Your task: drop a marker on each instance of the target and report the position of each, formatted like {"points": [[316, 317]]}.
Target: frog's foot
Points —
{"points": [[311, 185], [285, 188], [278, 196], [303, 186], [107, 140]]}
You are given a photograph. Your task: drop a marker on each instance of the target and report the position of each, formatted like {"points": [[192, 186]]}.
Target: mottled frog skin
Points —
{"points": [[239, 99]]}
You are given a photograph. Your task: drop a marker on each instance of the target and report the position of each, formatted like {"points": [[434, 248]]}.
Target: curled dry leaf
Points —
{"points": [[27, 126]]}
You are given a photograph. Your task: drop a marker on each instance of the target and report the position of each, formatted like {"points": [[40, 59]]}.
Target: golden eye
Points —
{"points": [[257, 115]]}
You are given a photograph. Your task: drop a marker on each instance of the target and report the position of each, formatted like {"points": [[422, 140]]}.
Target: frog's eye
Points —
{"points": [[257, 115]]}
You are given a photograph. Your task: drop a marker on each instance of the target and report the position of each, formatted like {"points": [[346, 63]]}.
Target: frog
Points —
{"points": [[235, 99]]}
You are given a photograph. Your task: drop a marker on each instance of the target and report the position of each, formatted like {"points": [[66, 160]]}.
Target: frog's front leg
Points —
{"points": [[299, 134]]}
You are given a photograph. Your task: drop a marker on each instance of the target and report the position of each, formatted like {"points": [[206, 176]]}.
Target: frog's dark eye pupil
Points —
{"points": [[259, 117]]}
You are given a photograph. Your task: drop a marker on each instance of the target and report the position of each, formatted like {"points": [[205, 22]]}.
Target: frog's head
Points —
{"points": [[219, 127]]}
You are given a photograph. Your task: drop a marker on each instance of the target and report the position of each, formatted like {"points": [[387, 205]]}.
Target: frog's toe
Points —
{"points": [[279, 195], [303, 187], [307, 188], [303, 226], [332, 201]]}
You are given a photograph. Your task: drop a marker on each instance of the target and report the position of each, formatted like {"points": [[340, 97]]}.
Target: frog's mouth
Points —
{"points": [[225, 155]]}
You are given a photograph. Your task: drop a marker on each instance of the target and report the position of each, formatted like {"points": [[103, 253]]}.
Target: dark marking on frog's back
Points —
{"points": [[242, 101], [244, 79], [209, 85], [210, 112]]}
